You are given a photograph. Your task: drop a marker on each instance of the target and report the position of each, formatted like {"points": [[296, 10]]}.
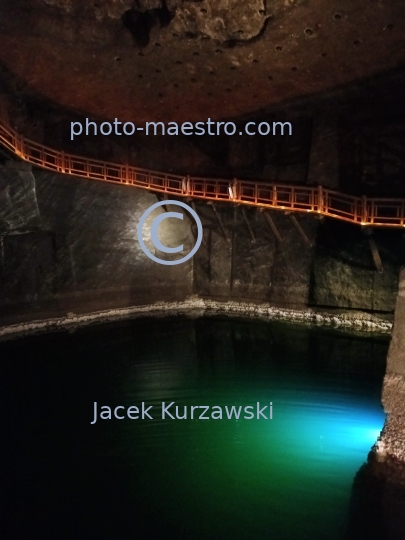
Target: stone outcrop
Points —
{"points": [[392, 440], [378, 495], [222, 20]]}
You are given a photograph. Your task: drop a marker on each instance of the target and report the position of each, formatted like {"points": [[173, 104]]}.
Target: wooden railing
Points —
{"points": [[377, 212]]}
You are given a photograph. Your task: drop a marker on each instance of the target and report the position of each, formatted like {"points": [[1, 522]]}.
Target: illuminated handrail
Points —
{"points": [[377, 212]]}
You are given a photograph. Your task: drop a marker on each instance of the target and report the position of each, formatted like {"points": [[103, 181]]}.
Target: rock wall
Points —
{"points": [[244, 266], [344, 274], [392, 441], [70, 245], [80, 250], [378, 494]]}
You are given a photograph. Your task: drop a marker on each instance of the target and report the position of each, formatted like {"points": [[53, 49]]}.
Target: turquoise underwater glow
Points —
{"points": [[292, 473], [287, 478]]}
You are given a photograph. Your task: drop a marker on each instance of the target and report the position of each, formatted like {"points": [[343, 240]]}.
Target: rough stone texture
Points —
{"points": [[344, 273], [18, 203], [222, 20], [80, 248], [242, 268], [87, 248], [391, 444], [79, 54], [335, 282], [28, 269], [396, 354]]}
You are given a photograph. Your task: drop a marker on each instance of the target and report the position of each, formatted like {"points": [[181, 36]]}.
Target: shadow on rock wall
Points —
{"points": [[377, 505]]}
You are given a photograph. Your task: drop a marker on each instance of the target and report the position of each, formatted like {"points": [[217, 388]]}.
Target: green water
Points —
{"points": [[285, 478]]}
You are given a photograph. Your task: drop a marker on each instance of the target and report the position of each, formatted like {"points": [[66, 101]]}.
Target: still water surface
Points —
{"points": [[286, 478]]}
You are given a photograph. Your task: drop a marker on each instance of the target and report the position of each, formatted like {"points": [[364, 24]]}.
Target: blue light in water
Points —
{"points": [[368, 425], [335, 429], [368, 435]]}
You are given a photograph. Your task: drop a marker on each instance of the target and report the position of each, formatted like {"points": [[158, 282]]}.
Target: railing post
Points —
{"points": [[320, 200], [127, 173], [232, 189], [21, 141], [274, 195], [364, 209], [17, 144], [185, 185]]}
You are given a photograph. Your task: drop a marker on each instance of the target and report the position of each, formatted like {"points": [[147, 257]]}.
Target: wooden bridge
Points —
{"points": [[365, 211]]}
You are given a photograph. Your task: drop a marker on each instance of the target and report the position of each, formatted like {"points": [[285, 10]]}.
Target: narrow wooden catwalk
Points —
{"points": [[365, 211]]}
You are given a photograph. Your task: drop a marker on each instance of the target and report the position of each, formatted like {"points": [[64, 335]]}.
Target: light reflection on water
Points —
{"points": [[289, 477]]}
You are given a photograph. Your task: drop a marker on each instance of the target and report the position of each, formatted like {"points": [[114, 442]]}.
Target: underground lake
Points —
{"points": [[289, 475]]}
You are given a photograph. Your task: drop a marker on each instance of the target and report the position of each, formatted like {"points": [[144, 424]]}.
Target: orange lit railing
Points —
{"points": [[379, 212]]}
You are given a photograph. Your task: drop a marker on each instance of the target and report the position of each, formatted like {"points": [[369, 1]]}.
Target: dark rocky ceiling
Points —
{"points": [[192, 59]]}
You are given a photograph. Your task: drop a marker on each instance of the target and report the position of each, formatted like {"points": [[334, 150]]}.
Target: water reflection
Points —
{"points": [[289, 477]]}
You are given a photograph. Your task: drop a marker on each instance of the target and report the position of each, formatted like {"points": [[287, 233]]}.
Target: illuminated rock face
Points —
{"points": [[77, 246], [392, 443], [18, 203], [396, 357], [184, 60], [83, 242], [222, 20]]}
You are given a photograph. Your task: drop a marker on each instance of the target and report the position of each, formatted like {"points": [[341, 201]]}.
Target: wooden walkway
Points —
{"points": [[375, 212]]}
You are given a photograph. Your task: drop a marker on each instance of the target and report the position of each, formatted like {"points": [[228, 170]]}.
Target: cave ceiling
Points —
{"points": [[189, 59]]}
